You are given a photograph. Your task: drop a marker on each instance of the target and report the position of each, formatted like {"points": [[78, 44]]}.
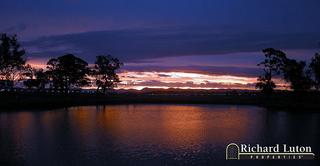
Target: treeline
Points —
{"points": [[301, 77], [61, 74], [68, 71]]}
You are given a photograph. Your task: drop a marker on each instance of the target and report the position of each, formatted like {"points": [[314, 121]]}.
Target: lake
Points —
{"points": [[147, 134]]}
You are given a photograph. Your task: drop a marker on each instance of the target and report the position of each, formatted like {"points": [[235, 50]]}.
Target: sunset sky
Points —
{"points": [[207, 44]]}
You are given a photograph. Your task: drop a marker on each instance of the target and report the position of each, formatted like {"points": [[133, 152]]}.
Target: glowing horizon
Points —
{"points": [[139, 80], [187, 80], [181, 80]]}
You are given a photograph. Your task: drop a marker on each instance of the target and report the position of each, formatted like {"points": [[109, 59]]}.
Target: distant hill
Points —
{"points": [[182, 91]]}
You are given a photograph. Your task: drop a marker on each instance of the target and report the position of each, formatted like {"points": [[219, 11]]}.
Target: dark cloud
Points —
{"points": [[163, 75], [139, 44]]}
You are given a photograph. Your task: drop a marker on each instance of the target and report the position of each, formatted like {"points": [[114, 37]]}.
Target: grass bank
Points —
{"points": [[40, 101]]}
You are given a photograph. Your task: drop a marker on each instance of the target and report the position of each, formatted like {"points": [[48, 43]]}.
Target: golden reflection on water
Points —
{"points": [[165, 126], [143, 132], [170, 125]]}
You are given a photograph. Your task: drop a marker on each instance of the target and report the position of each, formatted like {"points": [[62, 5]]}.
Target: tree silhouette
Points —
{"points": [[273, 65], [67, 71], [315, 69], [265, 84], [11, 58], [36, 78], [105, 72], [294, 73]]}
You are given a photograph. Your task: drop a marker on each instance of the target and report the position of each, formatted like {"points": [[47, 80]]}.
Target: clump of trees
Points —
{"points": [[302, 78], [62, 73], [67, 71], [35, 78]]}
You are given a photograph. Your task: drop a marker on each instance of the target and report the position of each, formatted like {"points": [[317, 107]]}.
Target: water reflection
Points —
{"points": [[146, 134]]}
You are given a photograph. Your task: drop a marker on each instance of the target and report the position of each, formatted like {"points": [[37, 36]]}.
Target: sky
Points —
{"points": [[207, 44]]}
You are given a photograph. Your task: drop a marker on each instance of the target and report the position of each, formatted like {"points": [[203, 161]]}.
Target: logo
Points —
{"points": [[276, 152]]}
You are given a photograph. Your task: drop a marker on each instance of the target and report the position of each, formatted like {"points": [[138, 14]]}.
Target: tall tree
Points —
{"points": [[67, 71], [294, 72], [105, 72], [315, 69], [12, 61], [273, 65]]}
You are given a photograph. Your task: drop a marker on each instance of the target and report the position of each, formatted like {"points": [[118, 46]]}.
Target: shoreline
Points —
{"points": [[11, 102]]}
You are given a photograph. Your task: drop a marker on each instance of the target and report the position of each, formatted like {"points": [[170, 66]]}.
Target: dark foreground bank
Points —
{"points": [[284, 101]]}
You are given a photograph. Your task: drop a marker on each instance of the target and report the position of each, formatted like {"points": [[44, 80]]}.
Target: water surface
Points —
{"points": [[146, 134]]}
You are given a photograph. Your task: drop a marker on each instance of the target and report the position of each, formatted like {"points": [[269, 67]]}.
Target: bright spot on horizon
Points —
{"points": [[182, 80]]}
